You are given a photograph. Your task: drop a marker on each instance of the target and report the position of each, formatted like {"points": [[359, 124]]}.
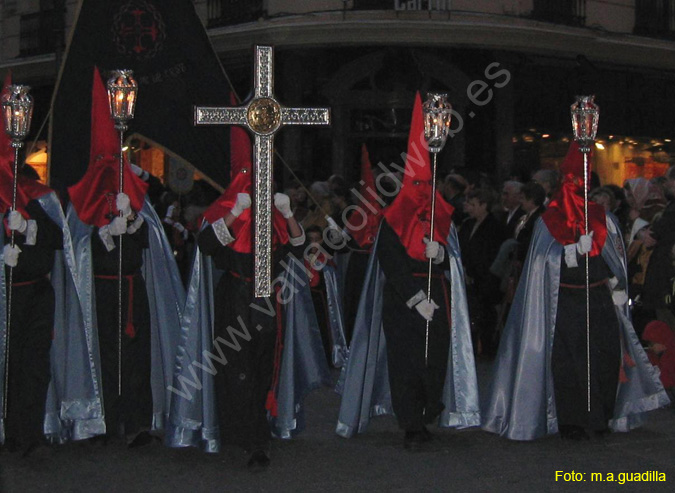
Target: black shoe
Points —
{"points": [[99, 440], [10, 445], [571, 432], [426, 434], [602, 433], [37, 448], [142, 439], [259, 458], [413, 440]]}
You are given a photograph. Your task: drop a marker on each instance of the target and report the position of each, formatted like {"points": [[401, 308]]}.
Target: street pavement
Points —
{"points": [[319, 460]]}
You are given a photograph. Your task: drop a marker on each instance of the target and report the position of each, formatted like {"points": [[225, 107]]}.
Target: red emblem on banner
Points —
{"points": [[138, 30]]}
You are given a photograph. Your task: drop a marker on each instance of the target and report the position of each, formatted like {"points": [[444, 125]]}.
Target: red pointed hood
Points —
{"points": [[93, 197], [564, 216], [26, 189], [241, 169], [363, 225], [410, 212]]}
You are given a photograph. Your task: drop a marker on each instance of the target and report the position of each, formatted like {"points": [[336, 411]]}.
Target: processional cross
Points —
{"points": [[263, 115]]}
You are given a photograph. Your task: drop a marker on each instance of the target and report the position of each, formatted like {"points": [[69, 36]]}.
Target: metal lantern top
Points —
{"points": [[437, 116], [585, 114], [17, 111], [122, 92]]}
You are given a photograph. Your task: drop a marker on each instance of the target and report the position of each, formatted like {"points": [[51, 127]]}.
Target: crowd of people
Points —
{"points": [[148, 321]]}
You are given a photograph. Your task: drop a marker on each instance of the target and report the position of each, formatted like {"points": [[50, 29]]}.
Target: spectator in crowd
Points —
{"points": [[547, 178]]}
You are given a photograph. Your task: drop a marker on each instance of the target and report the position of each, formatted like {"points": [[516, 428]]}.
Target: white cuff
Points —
{"points": [[419, 296], [133, 227], [106, 237], [571, 255], [31, 232], [298, 240], [222, 233]]}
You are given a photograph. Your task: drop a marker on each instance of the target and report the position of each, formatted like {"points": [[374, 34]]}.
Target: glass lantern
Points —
{"points": [[17, 112], [585, 114], [122, 92], [437, 117]]}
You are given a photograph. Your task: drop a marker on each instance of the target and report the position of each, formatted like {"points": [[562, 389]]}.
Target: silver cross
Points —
{"points": [[263, 116]]}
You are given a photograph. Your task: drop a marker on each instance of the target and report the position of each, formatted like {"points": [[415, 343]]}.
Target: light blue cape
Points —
{"points": [[194, 420], [364, 381], [63, 272], [521, 402], [75, 407]]}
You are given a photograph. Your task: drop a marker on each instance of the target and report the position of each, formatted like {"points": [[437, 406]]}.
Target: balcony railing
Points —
{"points": [[570, 12], [229, 12], [655, 18]]}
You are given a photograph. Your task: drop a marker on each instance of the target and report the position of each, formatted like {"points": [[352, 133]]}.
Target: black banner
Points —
{"points": [[166, 45]]}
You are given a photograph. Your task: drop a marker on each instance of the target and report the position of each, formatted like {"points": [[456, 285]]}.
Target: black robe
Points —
{"points": [[131, 411], [32, 324], [246, 333], [568, 360], [416, 388]]}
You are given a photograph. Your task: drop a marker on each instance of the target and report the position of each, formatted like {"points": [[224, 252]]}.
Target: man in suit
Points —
{"points": [[510, 200], [480, 238]]}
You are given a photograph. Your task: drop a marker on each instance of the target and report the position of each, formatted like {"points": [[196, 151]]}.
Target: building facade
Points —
{"points": [[511, 69]]}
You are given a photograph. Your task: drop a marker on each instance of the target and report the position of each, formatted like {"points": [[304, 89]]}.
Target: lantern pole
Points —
{"points": [[17, 109], [122, 92], [585, 114], [437, 116]]}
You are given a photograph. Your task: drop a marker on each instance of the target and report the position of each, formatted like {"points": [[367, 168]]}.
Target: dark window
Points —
{"points": [[655, 18], [374, 4], [40, 33], [570, 12], [228, 12]]}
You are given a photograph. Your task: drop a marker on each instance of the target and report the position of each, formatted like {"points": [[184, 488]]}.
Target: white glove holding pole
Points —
{"points": [[10, 255], [585, 244], [123, 204], [118, 226], [283, 203], [242, 203], [434, 251], [335, 235], [426, 309], [619, 297], [16, 222]]}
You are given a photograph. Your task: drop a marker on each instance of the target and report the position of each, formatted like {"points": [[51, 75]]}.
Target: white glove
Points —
{"points": [[134, 226], [123, 204], [181, 229], [283, 203], [426, 309], [243, 202], [619, 297], [168, 217], [613, 282], [585, 244], [335, 234], [118, 226], [433, 250], [16, 222], [11, 255]]}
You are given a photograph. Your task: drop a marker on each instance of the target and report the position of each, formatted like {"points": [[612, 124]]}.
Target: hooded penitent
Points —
{"points": [[363, 225], [241, 168], [93, 197], [564, 216], [410, 213]]}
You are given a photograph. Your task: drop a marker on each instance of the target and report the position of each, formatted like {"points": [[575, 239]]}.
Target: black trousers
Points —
{"points": [[30, 341], [569, 362], [243, 383], [130, 411]]}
